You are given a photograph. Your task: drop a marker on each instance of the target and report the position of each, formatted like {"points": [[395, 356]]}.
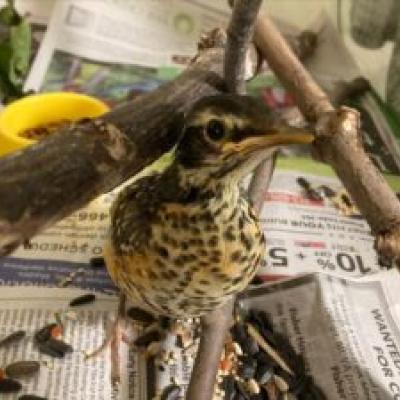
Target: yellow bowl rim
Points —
{"points": [[44, 97]]}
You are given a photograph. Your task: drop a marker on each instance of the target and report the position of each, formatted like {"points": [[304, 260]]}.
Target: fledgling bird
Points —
{"points": [[185, 240]]}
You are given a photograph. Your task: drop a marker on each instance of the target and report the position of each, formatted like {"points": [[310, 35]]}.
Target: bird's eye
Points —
{"points": [[215, 130]]}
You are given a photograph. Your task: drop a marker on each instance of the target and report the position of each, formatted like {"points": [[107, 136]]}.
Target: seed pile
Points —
{"points": [[258, 363], [48, 340], [42, 131]]}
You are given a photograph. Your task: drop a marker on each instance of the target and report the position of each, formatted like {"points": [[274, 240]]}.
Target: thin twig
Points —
{"points": [[216, 324], [260, 181], [338, 139], [213, 332], [240, 33]]}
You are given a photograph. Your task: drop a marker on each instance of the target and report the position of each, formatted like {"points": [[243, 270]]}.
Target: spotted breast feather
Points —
{"points": [[180, 257]]}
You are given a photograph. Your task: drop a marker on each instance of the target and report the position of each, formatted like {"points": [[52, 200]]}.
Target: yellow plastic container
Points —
{"points": [[40, 109]]}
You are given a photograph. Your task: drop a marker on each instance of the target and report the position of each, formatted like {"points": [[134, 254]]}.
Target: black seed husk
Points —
{"points": [[264, 358], [256, 281], [264, 373], [82, 300], [239, 333], [97, 262], [12, 337], [248, 368], [45, 349], [8, 385], [228, 385], [30, 397], [147, 338], [55, 348], [242, 390], [171, 392], [258, 396], [140, 315], [261, 319], [299, 384], [19, 369], [249, 346], [238, 396], [44, 334]]}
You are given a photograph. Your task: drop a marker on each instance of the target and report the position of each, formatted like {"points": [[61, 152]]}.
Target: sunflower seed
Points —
{"points": [[55, 348], [22, 368], [248, 368], [137, 314], [252, 387], [82, 300], [264, 373], [281, 383], [8, 385], [97, 262], [12, 337], [171, 392], [228, 385], [44, 334]]}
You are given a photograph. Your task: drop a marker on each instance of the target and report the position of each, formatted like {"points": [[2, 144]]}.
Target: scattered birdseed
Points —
{"points": [[12, 337], [82, 300], [248, 367], [140, 315], [44, 334], [55, 348], [8, 385], [264, 373], [267, 348], [253, 387], [22, 368], [97, 262], [274, 372], [57, 331], [171, 392]]}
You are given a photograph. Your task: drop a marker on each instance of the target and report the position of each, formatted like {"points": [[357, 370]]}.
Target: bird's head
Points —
{"points": [[226, 136]]}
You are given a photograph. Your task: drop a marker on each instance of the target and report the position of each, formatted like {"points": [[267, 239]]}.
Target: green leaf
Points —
{"points": [[9, 15], [20, 44]]}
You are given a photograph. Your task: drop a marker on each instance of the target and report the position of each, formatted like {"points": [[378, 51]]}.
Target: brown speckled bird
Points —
{"points": [[185, 240]]}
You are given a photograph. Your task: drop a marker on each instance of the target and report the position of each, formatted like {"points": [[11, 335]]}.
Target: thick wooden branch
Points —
{"points": [[46, 182], [338, 139]]}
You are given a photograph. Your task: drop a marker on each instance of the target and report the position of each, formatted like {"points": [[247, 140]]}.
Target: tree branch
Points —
{"points": [[338, 139], [216, 324], [240, 33], [46, 182]]}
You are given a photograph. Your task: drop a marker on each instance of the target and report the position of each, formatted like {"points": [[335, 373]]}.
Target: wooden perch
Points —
{"points": [[46, 182], [338, 140], [215, 325]]}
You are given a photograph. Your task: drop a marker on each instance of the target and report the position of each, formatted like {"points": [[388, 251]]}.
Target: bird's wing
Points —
{"points": [[132, 215]]}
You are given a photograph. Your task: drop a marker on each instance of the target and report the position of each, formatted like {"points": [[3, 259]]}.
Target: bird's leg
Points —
{"points": [[113, 339]]}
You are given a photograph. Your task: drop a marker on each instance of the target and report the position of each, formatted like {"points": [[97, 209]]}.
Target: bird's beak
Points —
{"points": [[274, 136]]}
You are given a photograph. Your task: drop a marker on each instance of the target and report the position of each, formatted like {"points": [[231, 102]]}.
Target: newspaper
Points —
{"points": [[347, 330], [72, 377], [308, 235], [116, 49]]}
